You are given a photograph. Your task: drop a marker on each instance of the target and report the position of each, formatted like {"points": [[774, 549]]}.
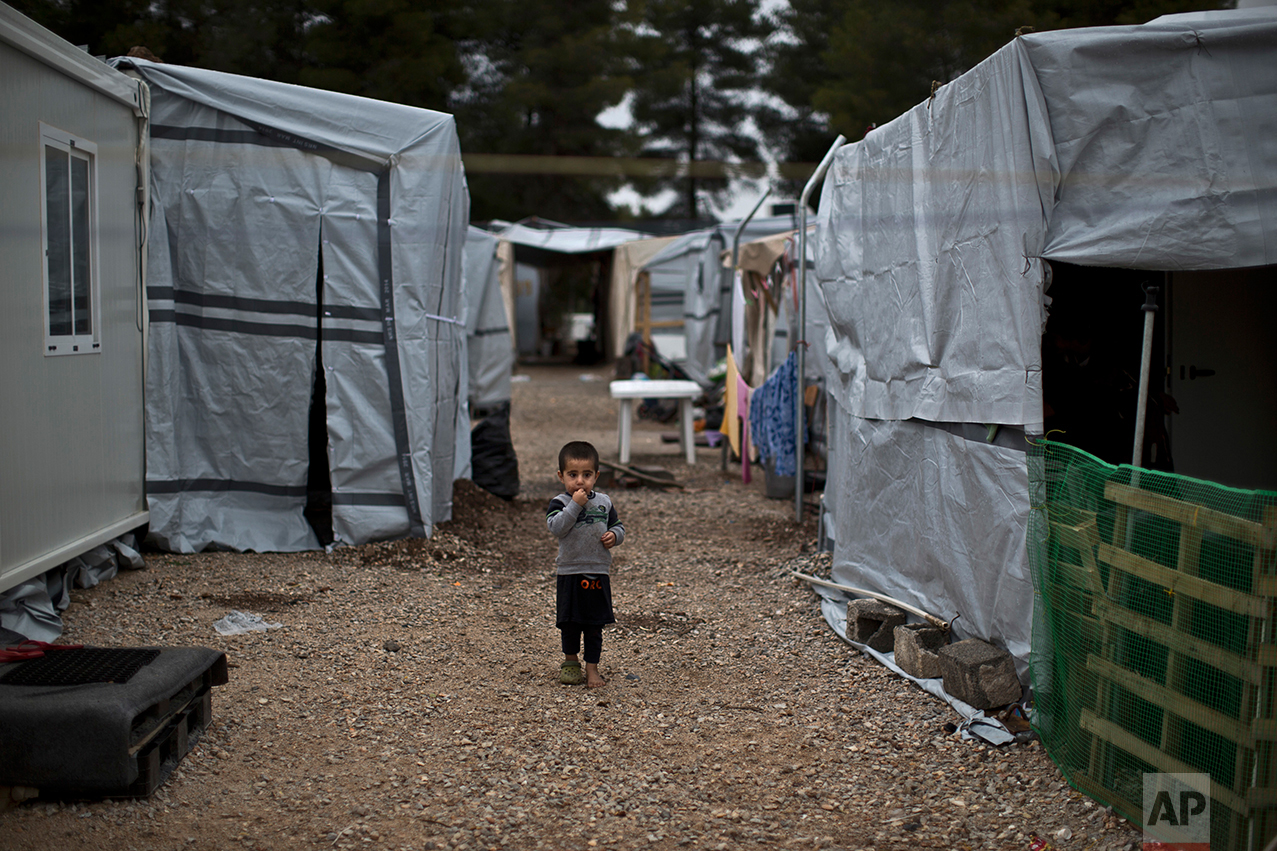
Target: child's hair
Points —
{"points": [[578, 450]]}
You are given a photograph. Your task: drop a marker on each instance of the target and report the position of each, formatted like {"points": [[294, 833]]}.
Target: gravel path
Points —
{"points": [[411, 698]]}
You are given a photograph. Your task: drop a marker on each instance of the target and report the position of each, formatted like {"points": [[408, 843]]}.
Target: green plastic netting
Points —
{"points": [[1153, 645]]}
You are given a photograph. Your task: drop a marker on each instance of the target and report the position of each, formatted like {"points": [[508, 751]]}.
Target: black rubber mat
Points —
{"points": [[82, 665]]}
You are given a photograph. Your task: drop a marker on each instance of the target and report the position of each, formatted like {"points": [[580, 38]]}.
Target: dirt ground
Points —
{"points": [[411, 700]]}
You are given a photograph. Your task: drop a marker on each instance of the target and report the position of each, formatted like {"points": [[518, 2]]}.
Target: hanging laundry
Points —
{"points": [[743, 393], [772, 417], [730, 426], [736, 414]]}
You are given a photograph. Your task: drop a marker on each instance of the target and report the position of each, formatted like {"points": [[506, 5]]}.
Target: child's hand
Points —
{"points": [[581, 497], [608, 540]]}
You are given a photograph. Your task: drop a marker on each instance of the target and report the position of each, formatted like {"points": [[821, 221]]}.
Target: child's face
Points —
{"points": [[578, 474]]}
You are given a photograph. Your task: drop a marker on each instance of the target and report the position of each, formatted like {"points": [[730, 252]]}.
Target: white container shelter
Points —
{"points": [[71, 325]]}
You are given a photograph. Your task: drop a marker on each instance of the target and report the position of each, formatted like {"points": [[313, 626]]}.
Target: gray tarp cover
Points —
{"points": [[271, 205], [487, 328], [1149, 147], [688, 274], [566, 239]]}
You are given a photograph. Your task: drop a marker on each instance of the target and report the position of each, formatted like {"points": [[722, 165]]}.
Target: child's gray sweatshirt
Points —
{"points": [[579, 528]]}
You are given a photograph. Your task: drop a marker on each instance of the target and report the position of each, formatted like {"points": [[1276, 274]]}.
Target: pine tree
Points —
{"points": [[795, 53], [695, 78], [396, 50], [539, 74], [843, 66], [882, 61], [260, 38]]}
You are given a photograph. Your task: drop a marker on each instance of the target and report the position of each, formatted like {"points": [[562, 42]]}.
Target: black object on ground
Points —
{"points": [[493, 464], [108, 739]]}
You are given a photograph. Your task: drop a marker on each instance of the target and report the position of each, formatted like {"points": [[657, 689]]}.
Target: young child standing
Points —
{"points": [[585, 522]]}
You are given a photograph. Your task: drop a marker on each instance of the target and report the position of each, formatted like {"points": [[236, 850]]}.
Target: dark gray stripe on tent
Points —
{"points": [[290, 140], [222, 486], [347, 335], [263, 329], [707, 315], [398, 410], [261, 135], [231, 302], [1007, 436], [211, 134], [392, 499], [261, 305], [237, 326], [345, 311], [485, 332]]}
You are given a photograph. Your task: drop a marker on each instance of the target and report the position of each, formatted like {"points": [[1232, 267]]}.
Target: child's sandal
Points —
{"points": [[570, 673]]}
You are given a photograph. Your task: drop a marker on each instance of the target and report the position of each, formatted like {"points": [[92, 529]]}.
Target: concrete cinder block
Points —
{"points": [[916, 647], [980, 674], [873, 622]]}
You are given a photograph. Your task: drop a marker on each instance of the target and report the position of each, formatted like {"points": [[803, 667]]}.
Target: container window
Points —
{"points": [[70, 250]]}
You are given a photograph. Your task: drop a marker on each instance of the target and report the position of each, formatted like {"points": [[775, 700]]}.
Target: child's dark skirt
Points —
{"points": [[584, 599]]}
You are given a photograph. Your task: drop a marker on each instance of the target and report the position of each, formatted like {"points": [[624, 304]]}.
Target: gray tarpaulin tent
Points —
{"points": [[491, 348], [771, 341], [293, 228], [1136, 147], [689, 282], [569, 240]]}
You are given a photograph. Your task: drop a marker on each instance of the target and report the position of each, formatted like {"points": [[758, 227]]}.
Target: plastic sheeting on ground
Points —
{"points": [[289, 224], [33, 608], [974, 722]]}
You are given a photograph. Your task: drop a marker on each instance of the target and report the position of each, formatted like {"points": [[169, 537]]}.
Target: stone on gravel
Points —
{"points": [[980, 674], [873, 622], [916, 646]]}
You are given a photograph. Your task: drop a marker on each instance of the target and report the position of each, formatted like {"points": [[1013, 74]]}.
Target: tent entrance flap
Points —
{"points": [[1091, 352], [319, 481]]}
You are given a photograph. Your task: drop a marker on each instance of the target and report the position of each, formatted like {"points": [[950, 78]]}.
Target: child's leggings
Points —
{"points": [[593, 641]]}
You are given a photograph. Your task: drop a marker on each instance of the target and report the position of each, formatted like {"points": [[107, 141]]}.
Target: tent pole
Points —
{"points": [[802, 322], [1141, 408], [741, 228]]}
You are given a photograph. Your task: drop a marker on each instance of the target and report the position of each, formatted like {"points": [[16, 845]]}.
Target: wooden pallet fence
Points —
{"points": [[1102, 590]]}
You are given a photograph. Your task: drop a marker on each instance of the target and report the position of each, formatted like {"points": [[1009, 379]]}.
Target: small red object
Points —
{"points": [[1037, 843], [32, 650]]}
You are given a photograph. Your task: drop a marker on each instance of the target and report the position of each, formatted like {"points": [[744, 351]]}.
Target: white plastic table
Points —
{"points": [[684, 391]]}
